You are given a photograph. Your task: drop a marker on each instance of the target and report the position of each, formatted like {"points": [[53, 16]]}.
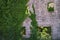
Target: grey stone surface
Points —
{"points": [[27, 24], [58, 17]]}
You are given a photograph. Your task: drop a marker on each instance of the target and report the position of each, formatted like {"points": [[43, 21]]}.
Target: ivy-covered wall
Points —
{"points": [[12, 14]]}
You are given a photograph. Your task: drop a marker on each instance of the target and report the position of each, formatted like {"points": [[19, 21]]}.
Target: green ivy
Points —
{"points": [[34, 25], [12, 15]]}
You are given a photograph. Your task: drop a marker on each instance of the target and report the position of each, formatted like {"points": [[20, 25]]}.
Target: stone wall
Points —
{"points": [[56, 26], [45, 18]]}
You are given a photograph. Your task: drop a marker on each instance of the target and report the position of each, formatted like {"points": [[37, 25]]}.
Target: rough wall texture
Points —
{"points": [[57, 18]]}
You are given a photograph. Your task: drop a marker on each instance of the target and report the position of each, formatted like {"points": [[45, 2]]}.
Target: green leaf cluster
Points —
{"points": [[50, 9]]}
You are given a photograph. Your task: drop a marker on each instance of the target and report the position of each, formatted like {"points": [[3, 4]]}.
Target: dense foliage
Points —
{"points": [[12, 14]]}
